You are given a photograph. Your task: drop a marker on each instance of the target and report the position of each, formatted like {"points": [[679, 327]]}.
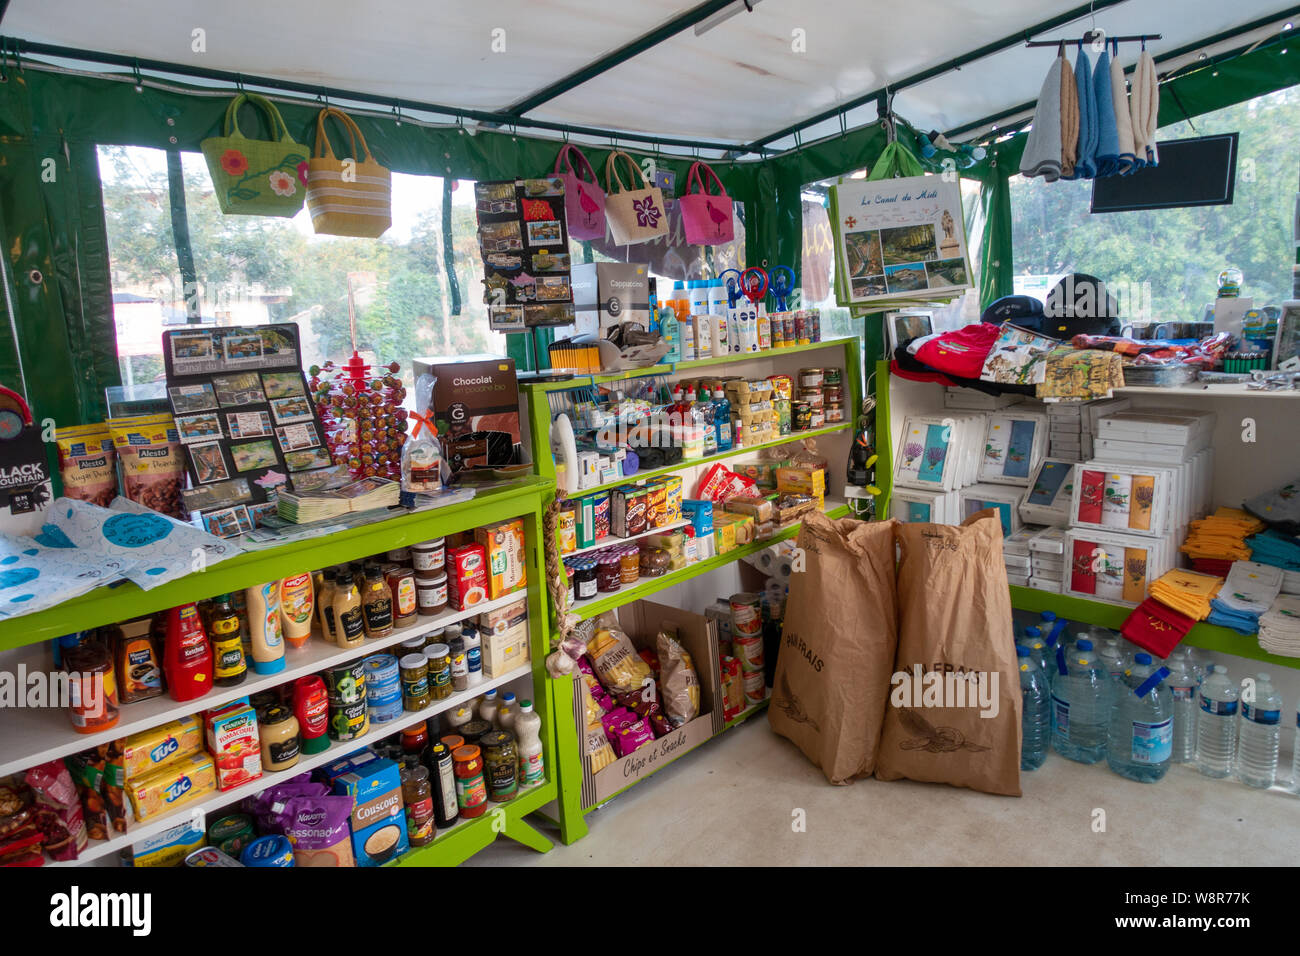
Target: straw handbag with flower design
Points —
{"points": [[634, 215], [352, 196], [256, 177]]}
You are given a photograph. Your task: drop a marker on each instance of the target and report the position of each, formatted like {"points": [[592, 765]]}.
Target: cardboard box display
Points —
{"points": [[507, 561], [475, 405], [234, 743], [641, 621], [151, 750], [467, 576], [173, 786], [378, 814], [606, 294], [504, 636]]}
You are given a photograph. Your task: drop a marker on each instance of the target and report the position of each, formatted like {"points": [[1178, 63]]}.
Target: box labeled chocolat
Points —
{"points": [[656, 501], [474, 400], [600, 515]]}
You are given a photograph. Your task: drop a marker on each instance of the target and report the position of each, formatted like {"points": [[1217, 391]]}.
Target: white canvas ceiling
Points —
{"points": [[739, 81]]}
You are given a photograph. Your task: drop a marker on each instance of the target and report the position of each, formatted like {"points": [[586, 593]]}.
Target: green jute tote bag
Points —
{"points": [[257, 177]]}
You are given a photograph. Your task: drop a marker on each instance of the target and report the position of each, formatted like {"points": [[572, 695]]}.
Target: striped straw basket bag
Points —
{"points": [[347, 197]]}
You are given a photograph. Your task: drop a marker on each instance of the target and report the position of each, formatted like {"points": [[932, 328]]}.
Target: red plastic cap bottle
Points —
{"points": [[187, 656]]}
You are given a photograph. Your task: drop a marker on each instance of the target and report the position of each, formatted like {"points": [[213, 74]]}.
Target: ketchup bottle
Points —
{"points": [[187, 657], [311, 707]]}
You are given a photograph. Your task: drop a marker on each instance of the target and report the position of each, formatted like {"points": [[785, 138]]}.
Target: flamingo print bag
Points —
{"points": [[706, 218], [584, 200], [634, 215]]}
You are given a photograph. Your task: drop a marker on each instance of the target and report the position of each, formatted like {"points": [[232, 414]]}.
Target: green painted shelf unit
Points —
{"points": [[524, 499]]}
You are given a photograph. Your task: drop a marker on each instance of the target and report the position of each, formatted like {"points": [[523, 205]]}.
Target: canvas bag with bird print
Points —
{"points": [[831, 684], [955, 635], [706, 218]]}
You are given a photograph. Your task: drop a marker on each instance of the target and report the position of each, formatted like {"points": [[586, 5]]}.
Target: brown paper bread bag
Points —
{"points": [[954, 615], [837, 646]]}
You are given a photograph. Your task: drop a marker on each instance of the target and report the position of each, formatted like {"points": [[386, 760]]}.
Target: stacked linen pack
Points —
{"points": [[1073, 426], [1215, 542], [1279, 626], [1249, 591], [1280, 550], [1016, 555], [1047, 560]]}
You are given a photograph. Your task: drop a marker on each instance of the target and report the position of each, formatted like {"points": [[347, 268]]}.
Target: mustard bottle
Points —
{"points": [[349, 622], [325, 606]]}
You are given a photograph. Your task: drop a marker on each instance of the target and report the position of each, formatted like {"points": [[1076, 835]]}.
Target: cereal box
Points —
{"points": [[656, 503], [672, 499], [503, 546]]}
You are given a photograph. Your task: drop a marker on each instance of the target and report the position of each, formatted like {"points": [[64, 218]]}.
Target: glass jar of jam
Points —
{"points": [[417, 796], [569, 579], [584, 579], [401, 581], [501, 762], [629, 564], [471, 790], [609, 576], [429, 556], [415, 739]]}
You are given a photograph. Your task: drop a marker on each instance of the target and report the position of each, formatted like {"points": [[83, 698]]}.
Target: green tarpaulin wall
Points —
{"points": [[59, 293]]}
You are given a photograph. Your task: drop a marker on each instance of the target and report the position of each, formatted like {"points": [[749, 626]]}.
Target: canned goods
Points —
{"points": [[789, 337], [350, 721], [438, 657], [801, 416], [346, 684], [211, 856], [749, 651], [754, 687], [746, 614], [273, 851]]}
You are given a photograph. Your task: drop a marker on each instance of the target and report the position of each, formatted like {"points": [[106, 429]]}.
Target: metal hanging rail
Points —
{"points": [[28, 48], [1182, 51], [1092, 35]]}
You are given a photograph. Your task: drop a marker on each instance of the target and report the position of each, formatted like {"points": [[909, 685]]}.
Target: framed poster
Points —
{"points": [[898, 238], [1286, 345]]}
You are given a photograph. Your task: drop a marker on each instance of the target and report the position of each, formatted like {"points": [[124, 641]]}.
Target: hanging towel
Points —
{"points": [[1145, 104], [1042, 155], [1107, 134], [1085, 167], [1123, 119], [1069, 119]]}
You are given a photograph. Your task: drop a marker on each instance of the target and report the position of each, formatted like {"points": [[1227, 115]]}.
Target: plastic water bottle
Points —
{"points": [[1080, 705], [1259, 735], [1033, 640], [1036, 714], [1216, 724], [1182, 684], [1140, 740], [1195, 661], [1113, 657]]}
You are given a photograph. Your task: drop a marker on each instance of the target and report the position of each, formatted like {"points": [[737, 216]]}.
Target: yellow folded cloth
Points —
{"points": [[1222, 535], [1187, 592]]}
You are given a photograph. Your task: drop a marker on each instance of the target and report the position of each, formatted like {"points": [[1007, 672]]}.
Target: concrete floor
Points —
{"points": [[732, 801]]}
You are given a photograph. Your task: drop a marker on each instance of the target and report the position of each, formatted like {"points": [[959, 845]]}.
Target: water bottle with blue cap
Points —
{"points": [[1036, 714], [1080, 699], [1140, 741]]}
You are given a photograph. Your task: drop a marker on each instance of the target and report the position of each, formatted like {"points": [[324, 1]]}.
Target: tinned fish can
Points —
{"points": [[746, 614]]}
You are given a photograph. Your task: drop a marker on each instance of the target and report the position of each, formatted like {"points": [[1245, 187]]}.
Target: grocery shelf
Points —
{"points": [[835, 508], [610, 539], [672, 368], [107, 605], [1197, 390], [336, 749], [1208, 637], [36, 734], [749, 711], [709, 459]]}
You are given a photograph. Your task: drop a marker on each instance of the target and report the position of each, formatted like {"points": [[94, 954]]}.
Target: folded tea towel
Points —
{"points": [[1042, 155], [1107, 156], [1145, 106], [1123, 118], [1085, 166], [1069, 118]]}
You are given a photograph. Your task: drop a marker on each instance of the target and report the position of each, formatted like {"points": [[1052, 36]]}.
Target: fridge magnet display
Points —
{"points": [[204, 427], [248, 424], [253, 455], [192, 352], [209, 463], [522, 240], [295, 409], [297, 437], [282, 384], [307, 460], [242, 389], [899, 237], [219, 495], [187, 399]]}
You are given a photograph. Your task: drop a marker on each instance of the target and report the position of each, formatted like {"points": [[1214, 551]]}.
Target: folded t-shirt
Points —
{"points": [[961, 352]]}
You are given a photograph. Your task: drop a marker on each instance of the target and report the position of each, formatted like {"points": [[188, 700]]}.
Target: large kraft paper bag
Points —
{"points": [[954, 614], [837, 646]]}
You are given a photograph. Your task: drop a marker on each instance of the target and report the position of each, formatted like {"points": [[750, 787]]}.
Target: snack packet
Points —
{"points": [[153, 464], [87, 463], [616, 661], [679, 683]]}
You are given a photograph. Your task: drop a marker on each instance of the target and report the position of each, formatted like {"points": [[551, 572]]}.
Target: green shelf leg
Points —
{"points": [[523, 832], [573, 825]]}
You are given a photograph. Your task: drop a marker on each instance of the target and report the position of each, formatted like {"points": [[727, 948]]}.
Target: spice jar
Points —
{"points": [[417, 795], [584, 579], [629, 564], [438, 657], [93, 701], [430, 592], [471, 791], [416, 694], [401, 583], [609, 575], [278, 731], [501, 763], [451, 741], [429, 556], [459, 664]]}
